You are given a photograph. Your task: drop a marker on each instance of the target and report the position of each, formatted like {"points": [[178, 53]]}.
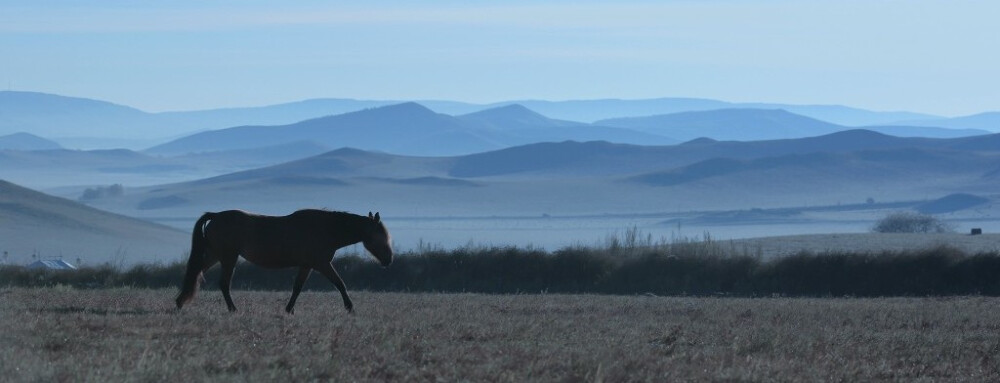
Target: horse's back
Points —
{"points": [[269, 241], [229, 230]]}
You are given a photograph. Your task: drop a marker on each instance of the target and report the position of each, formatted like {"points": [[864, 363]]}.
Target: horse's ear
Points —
{"points": [[377, 218], [370, 215]]}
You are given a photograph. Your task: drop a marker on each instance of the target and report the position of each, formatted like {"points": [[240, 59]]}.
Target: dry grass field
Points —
{"points": [[772, 247], [62, 334]]}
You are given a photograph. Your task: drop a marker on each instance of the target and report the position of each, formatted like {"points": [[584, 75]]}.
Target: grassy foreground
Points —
{"points": [[65, 334]]}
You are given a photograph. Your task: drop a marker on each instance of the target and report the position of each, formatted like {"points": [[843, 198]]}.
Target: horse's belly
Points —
{"points": [[272, 260]]}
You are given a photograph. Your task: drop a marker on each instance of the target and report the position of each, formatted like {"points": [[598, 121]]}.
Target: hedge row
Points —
{"points": [[660, 271]]}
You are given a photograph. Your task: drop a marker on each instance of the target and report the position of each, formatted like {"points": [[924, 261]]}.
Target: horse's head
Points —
{"points": [[377, 240]]}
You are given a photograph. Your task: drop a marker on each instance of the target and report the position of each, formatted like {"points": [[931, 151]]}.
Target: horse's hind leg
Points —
{"points": [[194, 275], [228, 267], [210, 260], [299, 281], [330, 273]]}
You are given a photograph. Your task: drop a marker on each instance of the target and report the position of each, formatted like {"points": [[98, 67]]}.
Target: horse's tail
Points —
{"points": [[195, 261]]}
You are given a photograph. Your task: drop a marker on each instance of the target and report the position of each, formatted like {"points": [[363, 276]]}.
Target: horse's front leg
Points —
{"points": [[330, 273], [299, 281]]}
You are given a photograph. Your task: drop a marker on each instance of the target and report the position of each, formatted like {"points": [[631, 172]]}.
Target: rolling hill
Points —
{"points": [[62, 168], [43, 169], [760, 124], [515, 117], [518, 125], [47, 226], [590, 111], [409, 129], [989, 121], [926, 131], [26, 141], [728, 124], [278, 114], [886, 165], [341, 163], [840, 114], [602, 158], [86, 120], [56, 116], [603, 109]]}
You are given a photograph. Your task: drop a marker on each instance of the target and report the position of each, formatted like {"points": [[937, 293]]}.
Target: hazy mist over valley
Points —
{"points": [[501, 174]]}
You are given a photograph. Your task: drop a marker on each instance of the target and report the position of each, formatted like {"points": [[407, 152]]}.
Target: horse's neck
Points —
{"points": [[348, 231]]}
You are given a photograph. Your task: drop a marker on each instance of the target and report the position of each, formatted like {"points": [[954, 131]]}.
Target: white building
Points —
{"points": [[54, 264]]}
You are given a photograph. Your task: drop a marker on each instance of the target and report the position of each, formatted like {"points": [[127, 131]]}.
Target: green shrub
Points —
{"points": [[910, 222]]}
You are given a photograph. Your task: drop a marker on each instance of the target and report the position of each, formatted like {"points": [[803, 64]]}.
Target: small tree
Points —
{"points": [[90, 194], [116, 190], [910, 222]]}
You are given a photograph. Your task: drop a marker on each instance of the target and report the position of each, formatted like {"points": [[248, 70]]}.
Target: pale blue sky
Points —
{"points": [[926, 56]]}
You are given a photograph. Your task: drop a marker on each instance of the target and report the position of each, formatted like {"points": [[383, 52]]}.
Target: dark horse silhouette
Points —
{"points": [[306, 239]]}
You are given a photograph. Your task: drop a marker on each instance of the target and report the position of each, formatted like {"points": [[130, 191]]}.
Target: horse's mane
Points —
{"points": [[328, 212], [338, 217]]}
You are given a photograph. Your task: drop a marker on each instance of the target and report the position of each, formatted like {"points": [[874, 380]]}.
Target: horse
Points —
{"points": [[306, 239]]}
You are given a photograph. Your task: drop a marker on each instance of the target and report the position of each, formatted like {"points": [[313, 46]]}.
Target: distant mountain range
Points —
{"points": [[401, 128], [616, 159], [411, 129], [762, 124], [989, 121], [505, 140], [38, 224], [85, 123], [72, 118], [845, 168], [596, 110], [600, 177], [728, 124], [608, 159]]}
